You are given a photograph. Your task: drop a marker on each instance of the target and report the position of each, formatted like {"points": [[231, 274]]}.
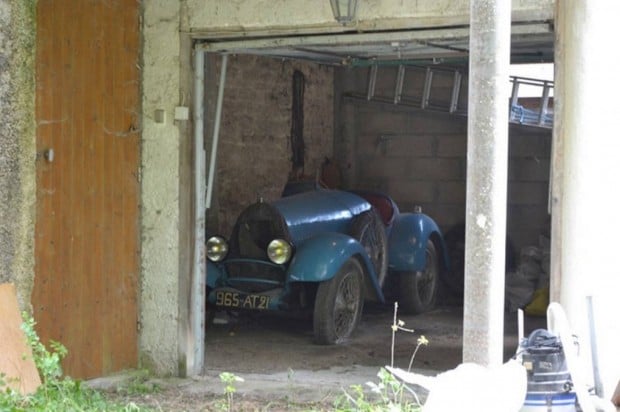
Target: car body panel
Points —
{"points": [[407, 242], [310, 213], [214, 274], [320, 258]]}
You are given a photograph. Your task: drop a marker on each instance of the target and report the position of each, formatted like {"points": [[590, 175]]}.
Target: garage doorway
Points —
{"points": [[369, 147]]}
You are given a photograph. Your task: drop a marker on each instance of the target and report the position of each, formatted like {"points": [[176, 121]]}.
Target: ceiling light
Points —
{"points": [[344, 10]]}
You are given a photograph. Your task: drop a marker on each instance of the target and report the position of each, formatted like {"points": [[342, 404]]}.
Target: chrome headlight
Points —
{"points": [[217, 248], [279, 251]]}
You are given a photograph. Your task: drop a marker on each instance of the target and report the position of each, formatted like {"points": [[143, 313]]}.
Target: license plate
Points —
{"points": [[241, 300]]}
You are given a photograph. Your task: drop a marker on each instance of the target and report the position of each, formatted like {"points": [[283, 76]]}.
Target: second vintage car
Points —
{"points": [[326, 251]]}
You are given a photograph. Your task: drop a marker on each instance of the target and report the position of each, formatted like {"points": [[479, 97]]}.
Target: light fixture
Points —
{"points": [[279, 251], [344, 10], [217, 248]]}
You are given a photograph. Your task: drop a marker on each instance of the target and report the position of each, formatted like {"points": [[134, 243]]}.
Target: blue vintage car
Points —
{"points": [[326, 251]]}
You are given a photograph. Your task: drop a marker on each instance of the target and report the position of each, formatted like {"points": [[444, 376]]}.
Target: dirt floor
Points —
{"points": [[284, 370], [268, 344]]}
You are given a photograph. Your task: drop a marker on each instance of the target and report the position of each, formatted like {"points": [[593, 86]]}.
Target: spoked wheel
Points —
{"points": [[338, 305], [368, 229], [418, 290]]}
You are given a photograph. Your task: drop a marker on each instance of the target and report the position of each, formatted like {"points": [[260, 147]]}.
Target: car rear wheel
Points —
{"points": [[418, 290], [338, 304], [368, 229]]}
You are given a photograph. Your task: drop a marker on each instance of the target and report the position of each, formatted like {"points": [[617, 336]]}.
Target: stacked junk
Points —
{"points": [[549, 383]]}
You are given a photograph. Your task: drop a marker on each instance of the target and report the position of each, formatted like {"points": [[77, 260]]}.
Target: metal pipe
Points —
{"points": [[544, 104], [598, 385], [197, 293], [216, 129], [487, 170]]}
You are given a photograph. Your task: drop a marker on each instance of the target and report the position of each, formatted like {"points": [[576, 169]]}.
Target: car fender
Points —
{"points": [[319, 258], [408, 239], [214, 274]]}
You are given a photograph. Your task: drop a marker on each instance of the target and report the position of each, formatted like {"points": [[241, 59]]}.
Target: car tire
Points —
{"points": [[368, 229], [338, 304], [418, 290], [454, 278]]}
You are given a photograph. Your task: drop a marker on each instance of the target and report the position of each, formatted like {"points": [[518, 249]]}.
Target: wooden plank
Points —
{"points": [[74, 203], [111, 259], [45, 123], [16, 362], [86, 282]]}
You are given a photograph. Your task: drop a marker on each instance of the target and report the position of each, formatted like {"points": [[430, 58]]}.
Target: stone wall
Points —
{"points": [[17, 145], [254, 154]]}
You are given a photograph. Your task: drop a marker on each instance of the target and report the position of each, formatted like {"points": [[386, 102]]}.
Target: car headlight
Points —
{"points": [[279, 251], [217, 248]]}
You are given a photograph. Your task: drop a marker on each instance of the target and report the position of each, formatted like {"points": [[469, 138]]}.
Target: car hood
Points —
{"points": [[317, 211]]}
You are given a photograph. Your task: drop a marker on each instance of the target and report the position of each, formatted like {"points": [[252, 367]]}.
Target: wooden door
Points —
{"points": [[87, 243]]}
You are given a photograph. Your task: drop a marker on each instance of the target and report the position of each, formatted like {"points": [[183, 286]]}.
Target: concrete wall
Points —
{"points": [[160, 330], [254, 156], [419, 157], [227, 17], [17, 146]]}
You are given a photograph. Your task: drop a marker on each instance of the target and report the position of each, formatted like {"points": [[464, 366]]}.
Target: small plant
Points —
{"points": [[386, 396], [56, 393], [139, 385], [229, 380], [389, 395]]}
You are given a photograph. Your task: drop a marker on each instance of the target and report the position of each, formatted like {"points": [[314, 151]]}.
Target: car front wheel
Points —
{"points": [[418, 290], [338, 305], [368, 229]]}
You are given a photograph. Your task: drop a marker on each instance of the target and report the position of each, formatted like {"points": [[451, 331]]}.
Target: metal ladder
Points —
{"points": [[424, 99], [537, 116]]}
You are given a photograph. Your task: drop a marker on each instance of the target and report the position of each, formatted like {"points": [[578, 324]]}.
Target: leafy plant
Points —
{"points": [[56, 393], [229, 380], [389, 395], [385, 396]]}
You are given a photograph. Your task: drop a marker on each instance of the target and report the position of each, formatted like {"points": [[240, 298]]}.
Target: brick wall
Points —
{"points": [[419, 157], [254, 155]]}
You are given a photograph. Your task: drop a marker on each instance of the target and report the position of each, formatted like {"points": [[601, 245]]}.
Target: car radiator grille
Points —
{"points": [[254, 277]]}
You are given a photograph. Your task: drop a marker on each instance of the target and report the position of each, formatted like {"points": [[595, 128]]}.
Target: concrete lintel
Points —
{"points": [[339, 39]]}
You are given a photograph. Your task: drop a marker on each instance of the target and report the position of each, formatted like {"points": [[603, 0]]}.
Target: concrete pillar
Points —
{"points": [[587, 201], [17, 147], [487, 168]]}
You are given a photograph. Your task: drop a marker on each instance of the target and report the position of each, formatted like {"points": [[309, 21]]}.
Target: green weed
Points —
{"points": [[57, 392], [389, 395], [229, 380]]}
